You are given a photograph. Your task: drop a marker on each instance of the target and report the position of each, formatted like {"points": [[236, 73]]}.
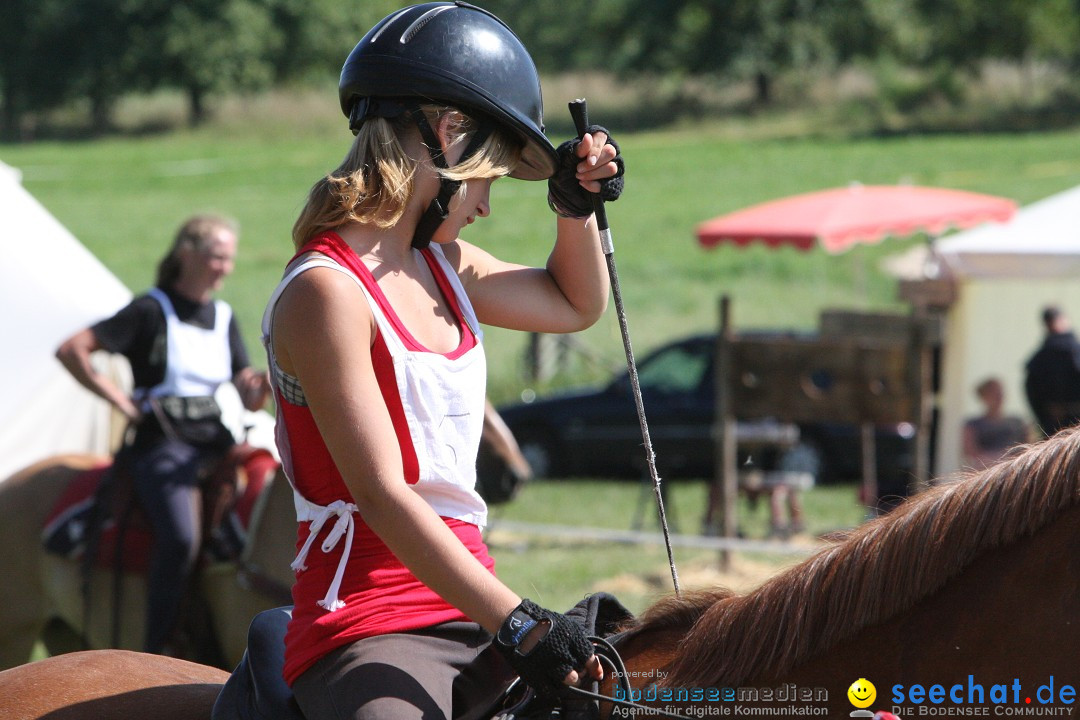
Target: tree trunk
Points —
{"points": [[101, 113], [11, 119], [762, 88], [196, 105]]}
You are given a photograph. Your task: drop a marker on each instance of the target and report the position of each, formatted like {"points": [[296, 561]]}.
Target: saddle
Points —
{"points": [[97, 523], [83, 520], [256, 689]]}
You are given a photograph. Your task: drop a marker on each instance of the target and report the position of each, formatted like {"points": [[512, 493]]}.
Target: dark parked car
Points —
{"points": [[596, 432]]}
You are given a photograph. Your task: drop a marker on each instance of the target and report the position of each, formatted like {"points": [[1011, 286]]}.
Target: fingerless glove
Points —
{"points": [[563, 647], [565, 194]]}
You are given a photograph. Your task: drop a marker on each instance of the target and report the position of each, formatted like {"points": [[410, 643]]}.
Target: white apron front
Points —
{"points": [[199, 359], [443, 401]]}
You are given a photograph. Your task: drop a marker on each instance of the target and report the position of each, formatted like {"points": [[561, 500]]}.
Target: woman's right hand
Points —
{"points": [[253, 387], [546, 649], [131, 411], [588, 165]]}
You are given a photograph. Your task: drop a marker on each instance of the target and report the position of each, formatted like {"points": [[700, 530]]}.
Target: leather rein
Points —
{"points": [[613, 663]]}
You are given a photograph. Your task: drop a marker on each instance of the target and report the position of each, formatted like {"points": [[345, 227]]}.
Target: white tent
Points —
{"points": [[1005, 274], [51, 287]]}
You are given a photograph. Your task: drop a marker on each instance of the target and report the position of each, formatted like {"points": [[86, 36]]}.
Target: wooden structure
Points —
{"points": [[862, 368]]}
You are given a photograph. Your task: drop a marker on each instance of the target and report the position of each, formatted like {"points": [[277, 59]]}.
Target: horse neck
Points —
{"points": [[646, 655], [1014, 610]]}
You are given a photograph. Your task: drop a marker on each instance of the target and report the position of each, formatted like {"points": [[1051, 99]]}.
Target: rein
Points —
{"points": [[610, 657], [612, 661]]}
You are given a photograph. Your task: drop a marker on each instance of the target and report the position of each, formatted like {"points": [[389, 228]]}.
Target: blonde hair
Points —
{"points": [[374, 181], [195, 233]]}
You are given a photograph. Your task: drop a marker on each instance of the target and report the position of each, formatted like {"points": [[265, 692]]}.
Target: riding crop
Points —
{"points": [[579, 112]]}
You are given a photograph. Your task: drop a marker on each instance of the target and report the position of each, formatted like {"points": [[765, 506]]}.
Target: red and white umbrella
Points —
{"points": [[839, 218]]}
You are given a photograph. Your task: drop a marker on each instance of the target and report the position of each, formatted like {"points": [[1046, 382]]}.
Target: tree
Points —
{"points": [[1054, 27], [41, 59], [317, 35], [108, 60], [53, 52], [206, 46]]}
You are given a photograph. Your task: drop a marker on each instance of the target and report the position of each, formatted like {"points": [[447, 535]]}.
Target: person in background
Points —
{"points": [[182, 345], [990, 435], [376, 355], [1052, 383]]}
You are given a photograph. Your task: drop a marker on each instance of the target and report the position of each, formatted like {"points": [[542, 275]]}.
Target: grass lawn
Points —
{"points": [[124, 197], [559, 571]]}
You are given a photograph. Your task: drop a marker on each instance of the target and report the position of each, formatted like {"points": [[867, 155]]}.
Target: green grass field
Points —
{"points": [[124, 196], [559, 571]]}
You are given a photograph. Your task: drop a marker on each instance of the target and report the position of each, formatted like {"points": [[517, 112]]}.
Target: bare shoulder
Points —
{"points": [[319, 303], [319, 285]]}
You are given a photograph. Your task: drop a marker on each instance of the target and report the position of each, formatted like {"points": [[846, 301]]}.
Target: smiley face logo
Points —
{"points": [[862, 693]]}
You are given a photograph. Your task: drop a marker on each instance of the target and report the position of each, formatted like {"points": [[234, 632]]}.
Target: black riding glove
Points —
{"points": [[565, 194], [563, 648]]}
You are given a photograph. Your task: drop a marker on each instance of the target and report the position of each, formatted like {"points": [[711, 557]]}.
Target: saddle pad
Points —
{"points": [[67, 528]]}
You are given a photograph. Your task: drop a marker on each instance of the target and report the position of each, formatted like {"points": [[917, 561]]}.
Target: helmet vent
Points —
{"points": [[387, 23], [420, 22]]}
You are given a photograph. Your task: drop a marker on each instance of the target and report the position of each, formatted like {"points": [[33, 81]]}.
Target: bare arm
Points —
{"points": [[74, 354], [571, 292]]}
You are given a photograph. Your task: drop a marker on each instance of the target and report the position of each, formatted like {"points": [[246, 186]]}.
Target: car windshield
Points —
{"points": [[680, 369]]}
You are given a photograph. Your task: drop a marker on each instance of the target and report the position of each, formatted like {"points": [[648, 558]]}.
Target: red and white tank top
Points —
{"points": [[349, 585]]}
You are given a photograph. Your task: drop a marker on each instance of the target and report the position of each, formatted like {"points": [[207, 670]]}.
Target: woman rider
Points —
{"points": [[375, 350], [182, 344]]}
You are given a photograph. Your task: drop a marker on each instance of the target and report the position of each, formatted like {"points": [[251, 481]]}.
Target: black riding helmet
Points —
{"points": [[455, 53]]}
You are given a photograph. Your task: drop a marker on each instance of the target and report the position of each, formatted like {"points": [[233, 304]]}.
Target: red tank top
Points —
{"points": [[380, 594]]}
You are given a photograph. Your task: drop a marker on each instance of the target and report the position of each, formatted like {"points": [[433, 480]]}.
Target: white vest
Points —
{"points": [[198, 359]]}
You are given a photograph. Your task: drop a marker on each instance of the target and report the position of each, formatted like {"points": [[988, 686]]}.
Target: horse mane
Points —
{"points": [[880, 569]]}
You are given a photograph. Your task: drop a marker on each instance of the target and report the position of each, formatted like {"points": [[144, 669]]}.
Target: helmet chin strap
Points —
{"points": [[439, 207]]}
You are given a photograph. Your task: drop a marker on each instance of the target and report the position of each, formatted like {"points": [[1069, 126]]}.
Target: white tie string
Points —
{"points": [[344, 526]]}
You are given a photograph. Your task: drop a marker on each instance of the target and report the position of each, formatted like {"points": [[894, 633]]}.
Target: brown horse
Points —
{"points": [[40, 593], [109, 685], [975, 582], [973, 586]]}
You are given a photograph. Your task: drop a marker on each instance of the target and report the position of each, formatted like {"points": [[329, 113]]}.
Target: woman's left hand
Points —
{"points": [[587, 165], [598, 160]]}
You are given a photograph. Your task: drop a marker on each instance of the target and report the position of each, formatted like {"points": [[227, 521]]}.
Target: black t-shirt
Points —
{"points": [[138, 332], [1053, 378]]}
